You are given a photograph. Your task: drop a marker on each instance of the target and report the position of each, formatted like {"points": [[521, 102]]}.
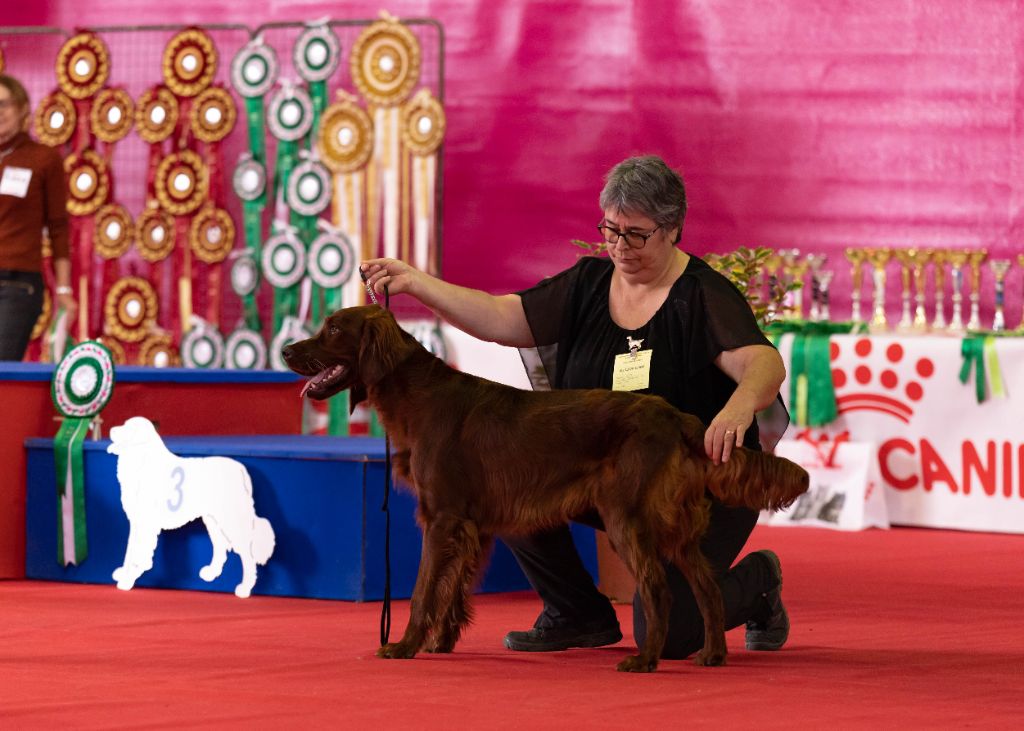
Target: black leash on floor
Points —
{"points": [[385, 610]]}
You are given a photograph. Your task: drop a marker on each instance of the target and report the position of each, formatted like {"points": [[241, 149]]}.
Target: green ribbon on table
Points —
{"points": [[72, 546], [811, 393], [979, 354]]}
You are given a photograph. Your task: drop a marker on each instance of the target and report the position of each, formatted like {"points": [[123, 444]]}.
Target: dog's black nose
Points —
{"points": [[287, 352]]}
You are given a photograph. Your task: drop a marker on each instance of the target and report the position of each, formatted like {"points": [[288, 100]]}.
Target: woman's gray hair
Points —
{"points": [[646, 186]]}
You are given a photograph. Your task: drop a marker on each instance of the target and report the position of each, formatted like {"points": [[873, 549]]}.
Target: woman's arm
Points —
{"points": [[498, 319], [759, 372]]}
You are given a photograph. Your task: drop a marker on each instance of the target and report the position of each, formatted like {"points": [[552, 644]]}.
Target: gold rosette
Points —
{"points": [[423, 123], [114, 231], [130, 309], [212, 235], [156, 114], [181, 183], [55, 119], [155, 229], [190, 61], [83, 65], [158, 350], [385, 62], [117, 353], [112, 115], [345, 139], [88, 182], [213, 115]]}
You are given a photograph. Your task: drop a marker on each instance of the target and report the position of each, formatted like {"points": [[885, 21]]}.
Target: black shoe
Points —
{"points": [[772, 633], [550, 639]]}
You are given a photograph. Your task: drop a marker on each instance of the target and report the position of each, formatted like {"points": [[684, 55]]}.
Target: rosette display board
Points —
{"points": [[385, 67], [345, 144], [423, 126], [88, 190], [250, 183], [83, 66], [82, 385]]}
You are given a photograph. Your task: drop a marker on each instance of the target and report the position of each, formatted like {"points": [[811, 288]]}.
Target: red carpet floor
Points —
{"points": [[903, 628]]}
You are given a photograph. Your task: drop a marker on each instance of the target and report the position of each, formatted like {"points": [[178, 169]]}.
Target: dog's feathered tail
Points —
{"points": [[756, 480]]}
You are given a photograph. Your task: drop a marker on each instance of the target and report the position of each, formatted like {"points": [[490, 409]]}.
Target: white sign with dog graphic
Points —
{"points": [[161, 491]]}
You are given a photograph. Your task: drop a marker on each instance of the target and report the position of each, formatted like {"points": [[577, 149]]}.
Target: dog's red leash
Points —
{"points": [[385, 611]]}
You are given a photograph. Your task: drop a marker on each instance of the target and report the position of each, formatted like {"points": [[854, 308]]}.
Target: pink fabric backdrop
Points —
{"points": [[809, 123]]}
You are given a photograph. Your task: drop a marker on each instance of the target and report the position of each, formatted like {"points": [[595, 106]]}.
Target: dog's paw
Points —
{"points": [[208, 573], [396, 651], [637, 664], [125, 584], [712, 658], [440, 647], [242, 592], [118, 574]]}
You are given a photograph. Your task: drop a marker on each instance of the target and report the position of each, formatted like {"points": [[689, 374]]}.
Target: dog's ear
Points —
{"points": [[381, 346], [356, 395]]}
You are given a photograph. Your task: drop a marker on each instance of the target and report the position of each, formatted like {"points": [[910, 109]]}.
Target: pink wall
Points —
{"points": [[818, 124]]}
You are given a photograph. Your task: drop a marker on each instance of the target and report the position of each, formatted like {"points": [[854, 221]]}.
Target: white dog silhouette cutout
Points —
{"points": [[161, 491]]}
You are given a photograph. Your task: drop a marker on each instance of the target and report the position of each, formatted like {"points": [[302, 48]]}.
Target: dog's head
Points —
{"points": [[355, 348], [137, 432]]}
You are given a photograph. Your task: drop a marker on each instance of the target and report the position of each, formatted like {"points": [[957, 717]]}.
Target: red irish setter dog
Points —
{"points": [[487, 460]]}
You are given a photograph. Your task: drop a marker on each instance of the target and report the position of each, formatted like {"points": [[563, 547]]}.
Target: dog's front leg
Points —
{"points": [[448, 628], [435, 586], [138, 554]]}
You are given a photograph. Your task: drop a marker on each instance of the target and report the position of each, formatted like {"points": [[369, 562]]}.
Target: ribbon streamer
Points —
{"points": [[72, 543]]}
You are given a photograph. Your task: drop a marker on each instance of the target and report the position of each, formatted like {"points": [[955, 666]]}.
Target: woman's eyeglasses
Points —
{"points": [[633, 239]]}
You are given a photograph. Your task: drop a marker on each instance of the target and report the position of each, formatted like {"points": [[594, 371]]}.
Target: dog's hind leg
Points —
{"points": [[460, 612], [220, 550], [446, 541]]}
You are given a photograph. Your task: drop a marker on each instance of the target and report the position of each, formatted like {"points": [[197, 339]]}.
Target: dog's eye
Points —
{"points": [[332, 329]]}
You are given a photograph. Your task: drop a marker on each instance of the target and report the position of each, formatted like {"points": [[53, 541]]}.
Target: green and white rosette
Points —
{"points": [[331, 262], [290, 118], [316, 56], [250, 184], [308, 195], [82, 385], [202, 346], [284, 266], [292, 330], [254, 72], [245, 350]]}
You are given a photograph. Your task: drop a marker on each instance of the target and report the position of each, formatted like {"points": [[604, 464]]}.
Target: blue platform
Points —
{"points": [[322, 495]]}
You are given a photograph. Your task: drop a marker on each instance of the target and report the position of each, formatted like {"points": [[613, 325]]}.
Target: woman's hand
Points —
{"points": [[396, 275], [726, 432], [69, 303]]}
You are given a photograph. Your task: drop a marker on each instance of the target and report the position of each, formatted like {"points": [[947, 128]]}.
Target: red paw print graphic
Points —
{"points": [[890, 389]]}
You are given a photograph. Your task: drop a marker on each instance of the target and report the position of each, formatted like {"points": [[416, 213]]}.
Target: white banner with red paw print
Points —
{"points": [[943, 457]]}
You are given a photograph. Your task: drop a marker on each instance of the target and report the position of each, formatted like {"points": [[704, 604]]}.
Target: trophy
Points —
{"points": [[906, 260], [793, 271], [771, 274], [814, 264], [939, 257], [957, 259], [825, 278], [919, 260], [975, 258], [856, 258], [999, 269], [879, 258]]}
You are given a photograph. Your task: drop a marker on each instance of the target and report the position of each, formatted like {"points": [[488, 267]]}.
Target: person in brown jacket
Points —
{"points": [[33, 192]]}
